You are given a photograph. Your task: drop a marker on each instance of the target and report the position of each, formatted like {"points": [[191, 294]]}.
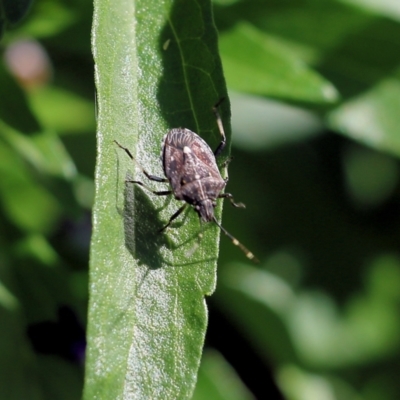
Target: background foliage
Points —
{"points": [[314, 87]]}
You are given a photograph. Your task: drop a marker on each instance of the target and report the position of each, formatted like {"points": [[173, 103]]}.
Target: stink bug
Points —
{"points": [[191, 169]]}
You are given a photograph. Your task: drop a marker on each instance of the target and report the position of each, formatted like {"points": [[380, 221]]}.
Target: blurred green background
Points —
{"points": [[315, 95]]}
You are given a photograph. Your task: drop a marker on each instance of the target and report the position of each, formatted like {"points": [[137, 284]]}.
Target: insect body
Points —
{"points": [[191, 169]]}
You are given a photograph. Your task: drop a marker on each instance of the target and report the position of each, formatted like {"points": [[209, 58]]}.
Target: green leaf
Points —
{"points": [[14, 10], [387, 8], [307, 327], [259, 302], [16, 186], [218, 380], [255, 62], [156, 68], [372, 118], [260, 123], [14, 108], [54, 107], [48, 19], [328, 36]]}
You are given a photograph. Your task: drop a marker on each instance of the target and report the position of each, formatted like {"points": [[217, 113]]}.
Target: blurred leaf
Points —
{"points": [[38, 289], [218, 381], [298, 384], [156, 68], [16, 187], [259, 123], [371, 177], [296, 23], [364, 58], [14, 108], [255, 62], [52, 171], [310, 321], [61, 380], [14, 10], [387, 8], [260, 302], [44, 151], [38, 247], [353, 49], [55, 106], [26, 376], [14, 347], [48, 18], [372, 118], [7, 299]]}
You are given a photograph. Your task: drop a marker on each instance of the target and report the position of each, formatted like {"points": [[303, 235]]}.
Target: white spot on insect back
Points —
{"points": [[197, 176], [187, 150]]}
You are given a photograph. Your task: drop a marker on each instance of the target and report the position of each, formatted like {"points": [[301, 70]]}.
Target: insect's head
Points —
{"points": [[205, 209]]}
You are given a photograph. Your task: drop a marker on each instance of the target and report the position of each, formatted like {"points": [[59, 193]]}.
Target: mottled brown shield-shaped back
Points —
{"points": [[177, 167]]}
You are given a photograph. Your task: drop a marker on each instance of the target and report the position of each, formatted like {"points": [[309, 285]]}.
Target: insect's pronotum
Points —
{"points": [[191, 169]]}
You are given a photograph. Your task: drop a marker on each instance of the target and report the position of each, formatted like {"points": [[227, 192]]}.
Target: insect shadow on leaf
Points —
{"points": [[142, 240], [191, 170]]}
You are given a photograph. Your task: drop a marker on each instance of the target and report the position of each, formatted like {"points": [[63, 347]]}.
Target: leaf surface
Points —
{"points": [[156, 68]]}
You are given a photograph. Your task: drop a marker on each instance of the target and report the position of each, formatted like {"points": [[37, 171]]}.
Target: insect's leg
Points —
{"points": [[156, 192], [231, 199], [225, 167], [228, 195], [222, 145], [236, 242], [149, 176], [174, 216]]}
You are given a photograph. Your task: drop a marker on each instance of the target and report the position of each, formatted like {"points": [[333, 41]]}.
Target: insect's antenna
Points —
{"points": [[127, 151], [151, 177], [222, 145], [236, 242]]}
